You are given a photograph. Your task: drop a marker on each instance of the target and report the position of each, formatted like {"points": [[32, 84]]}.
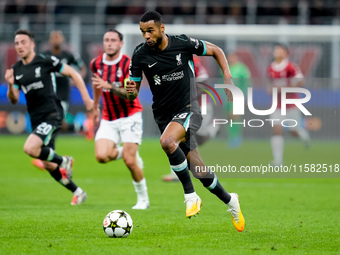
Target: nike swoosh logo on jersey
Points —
{"points": [[152, 64], [18, 77]]}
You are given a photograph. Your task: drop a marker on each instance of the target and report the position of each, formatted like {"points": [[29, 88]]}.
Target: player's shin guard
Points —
{"points": [[210, 181], [67, 183], [179, 165], [48, 154]]}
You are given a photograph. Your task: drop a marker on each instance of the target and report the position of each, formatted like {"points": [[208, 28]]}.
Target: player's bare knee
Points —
{"points": [[101, 158], [31, 151], [168, 144], [129, 161]]}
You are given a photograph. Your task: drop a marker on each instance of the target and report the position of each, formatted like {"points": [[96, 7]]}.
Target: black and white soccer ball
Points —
{"points": [[117, 223]]}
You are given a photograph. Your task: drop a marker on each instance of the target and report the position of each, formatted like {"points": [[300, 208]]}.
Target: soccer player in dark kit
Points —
{"points": [[63, 83], [34, 75], [167, 63]]}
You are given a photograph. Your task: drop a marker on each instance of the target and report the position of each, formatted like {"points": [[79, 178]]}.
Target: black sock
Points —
{"points": [[179, 165], [211, 182], [70, 185], [48, 154]]}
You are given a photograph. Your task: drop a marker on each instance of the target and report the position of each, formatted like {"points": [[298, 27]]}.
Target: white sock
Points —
{"points": [[277, 143], [78, 192], [303, 134], [190, 195], [141, 190], [231, 202], [64, 160], [120, 152]]}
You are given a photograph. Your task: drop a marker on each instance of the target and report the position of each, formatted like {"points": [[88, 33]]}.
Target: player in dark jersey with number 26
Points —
{"points": [[167, 62], [34, 75]]}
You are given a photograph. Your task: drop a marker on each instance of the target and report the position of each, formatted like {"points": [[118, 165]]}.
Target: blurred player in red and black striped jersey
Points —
{"points": [[114, 72], [284, 73], [121, 121]]}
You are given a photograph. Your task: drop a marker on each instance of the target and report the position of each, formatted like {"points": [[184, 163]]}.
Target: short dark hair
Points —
{"points": [[25, 32], [116, 31], [282, 45], [151, 15]]}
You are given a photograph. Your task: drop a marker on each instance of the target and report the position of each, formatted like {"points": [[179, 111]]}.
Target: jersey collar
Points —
{"points": [[112, 62]]}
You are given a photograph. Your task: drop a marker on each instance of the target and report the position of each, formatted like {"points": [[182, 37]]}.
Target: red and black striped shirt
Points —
{"points": [[116, 71]]}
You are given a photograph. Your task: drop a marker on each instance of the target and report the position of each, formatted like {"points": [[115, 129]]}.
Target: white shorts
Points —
{"points": [[291, 113], [123, 130]]}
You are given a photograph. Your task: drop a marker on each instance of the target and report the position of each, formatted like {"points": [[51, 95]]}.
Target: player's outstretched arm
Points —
{"points": [[12, 93], [132, 88], [218, 54], [80, 84]]}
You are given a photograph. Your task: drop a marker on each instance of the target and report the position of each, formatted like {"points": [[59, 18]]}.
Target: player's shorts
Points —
{"points": [[291, 113], [207, 122], [191, 121], [47, 131], [122, 130]]}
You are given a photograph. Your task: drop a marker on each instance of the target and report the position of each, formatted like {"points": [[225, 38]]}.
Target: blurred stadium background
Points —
{"points": [[251, 28]]}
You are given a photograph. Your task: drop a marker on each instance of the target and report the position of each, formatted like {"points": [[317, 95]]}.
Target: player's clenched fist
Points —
{"points": [[131, 89], [130, 86], [9, 77]]}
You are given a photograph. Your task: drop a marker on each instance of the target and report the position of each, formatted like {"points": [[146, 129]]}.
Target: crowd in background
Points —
{"points": [[176, 11]]}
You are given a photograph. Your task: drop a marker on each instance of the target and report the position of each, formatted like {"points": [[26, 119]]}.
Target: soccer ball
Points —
{"points": [[117, 224]]}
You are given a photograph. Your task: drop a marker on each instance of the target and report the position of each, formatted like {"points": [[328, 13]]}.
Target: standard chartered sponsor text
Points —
{"points": [[173, 77]]}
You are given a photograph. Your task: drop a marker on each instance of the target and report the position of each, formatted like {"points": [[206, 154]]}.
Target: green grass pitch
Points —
{"points": [[283, 215]]}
